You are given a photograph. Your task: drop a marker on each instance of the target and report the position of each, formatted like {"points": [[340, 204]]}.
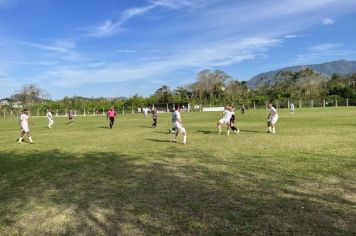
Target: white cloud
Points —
{"points": [[176, 4], [291, 36], [325, 47], [56, 46], [111, 27], [323, 52], [222, 53], [328, 21], [126, 51]]}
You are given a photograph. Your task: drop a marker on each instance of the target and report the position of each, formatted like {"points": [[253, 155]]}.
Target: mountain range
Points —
{"points": [[342, 67]]}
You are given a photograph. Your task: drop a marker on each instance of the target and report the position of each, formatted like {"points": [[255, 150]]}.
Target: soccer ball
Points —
{"points": [[223, 89]]}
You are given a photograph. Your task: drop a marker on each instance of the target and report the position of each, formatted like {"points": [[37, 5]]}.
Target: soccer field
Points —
{"points": [[131, 180]]}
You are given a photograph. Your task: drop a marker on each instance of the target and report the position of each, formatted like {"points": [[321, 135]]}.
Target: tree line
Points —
{"points": [[211, 87]]}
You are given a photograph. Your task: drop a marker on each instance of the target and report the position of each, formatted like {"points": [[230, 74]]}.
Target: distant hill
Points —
{"points": [[328, 69]]}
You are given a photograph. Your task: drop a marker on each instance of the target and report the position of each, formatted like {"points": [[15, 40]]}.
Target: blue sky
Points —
{"points": [[116, 48]]}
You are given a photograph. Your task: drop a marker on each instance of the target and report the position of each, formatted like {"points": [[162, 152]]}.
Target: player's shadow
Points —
{"points": [[207, 132], [160, 132], [145, 126], [104, 127], [252, 131], [158, 140]]}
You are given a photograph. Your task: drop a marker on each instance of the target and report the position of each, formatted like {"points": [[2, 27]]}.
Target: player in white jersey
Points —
{"points": [[227, 114], [272, 119], [50, 118], [292, 108], [178, 125], [24, 122]]}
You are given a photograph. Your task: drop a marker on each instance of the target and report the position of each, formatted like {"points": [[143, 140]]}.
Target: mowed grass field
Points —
{"points": [[86, 179]]}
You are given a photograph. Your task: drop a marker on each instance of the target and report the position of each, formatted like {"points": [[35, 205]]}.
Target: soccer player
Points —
{"points": [[50, 118], [292, 108], [232, 125], [272, 119], [243, 108], [154, 117], [178, 125], [24, 122], [70, 117], [111, 114], [145, 111], [226, 119]]}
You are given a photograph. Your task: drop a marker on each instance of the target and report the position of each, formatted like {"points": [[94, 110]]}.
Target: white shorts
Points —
{"points": [[273, 119], [25, 128], [179, 127], [223, 121]]}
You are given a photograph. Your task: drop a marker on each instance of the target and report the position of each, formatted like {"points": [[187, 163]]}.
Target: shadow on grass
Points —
{"points": [[114, 194], [161, 132], [104, 127], [252, 131], [158, 140], [207, 131]]}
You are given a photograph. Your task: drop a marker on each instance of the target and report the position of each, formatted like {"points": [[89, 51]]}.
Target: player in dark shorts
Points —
{"points": [[172, 130], [70, 117], [232, 125], [111, 116], [154, 117], [243, 108]]}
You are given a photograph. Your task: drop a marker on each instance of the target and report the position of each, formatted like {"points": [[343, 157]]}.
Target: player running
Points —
{"points": [[70, 117], [111, 114], [154, 117], [272, 119], [24, 122], [50, 118], [178, 125], [227, 114]]}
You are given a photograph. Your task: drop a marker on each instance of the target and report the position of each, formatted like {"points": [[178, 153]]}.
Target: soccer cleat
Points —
{"points": [[174, 141]]}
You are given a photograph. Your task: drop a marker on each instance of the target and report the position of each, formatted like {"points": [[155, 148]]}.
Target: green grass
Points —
{"points": [[86, 179]]}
